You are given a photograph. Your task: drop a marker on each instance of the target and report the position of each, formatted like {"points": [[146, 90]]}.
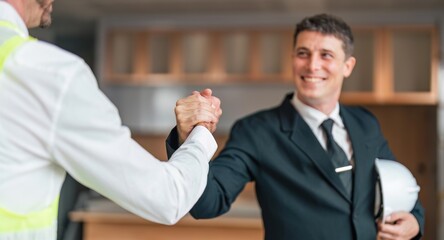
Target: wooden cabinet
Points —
{"points": [[395, 65], [197, 56], [104, 220], [117, 226]]}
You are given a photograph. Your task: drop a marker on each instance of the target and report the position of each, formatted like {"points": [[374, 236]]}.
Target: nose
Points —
{"points": [[314, 63]]}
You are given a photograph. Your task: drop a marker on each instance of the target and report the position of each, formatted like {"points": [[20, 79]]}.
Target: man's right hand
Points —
{"points": [[200, 108]]}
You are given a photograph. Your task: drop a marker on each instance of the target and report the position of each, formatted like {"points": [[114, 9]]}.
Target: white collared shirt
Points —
{"points": [[314, 119], [54, 118]]}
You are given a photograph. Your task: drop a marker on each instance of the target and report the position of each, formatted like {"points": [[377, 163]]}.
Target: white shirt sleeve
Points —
{"points": [[90, 143]]}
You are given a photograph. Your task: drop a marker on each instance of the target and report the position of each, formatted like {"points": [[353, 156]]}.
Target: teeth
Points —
{"points": [[313, 80]]}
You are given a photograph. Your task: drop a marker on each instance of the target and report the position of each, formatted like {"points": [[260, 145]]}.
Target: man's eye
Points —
{"points": [[327, 55], [302, 54]]}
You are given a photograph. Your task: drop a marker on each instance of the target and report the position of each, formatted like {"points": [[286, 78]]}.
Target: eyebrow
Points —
{"points": [[327, 50], [321, 50], [301, 48]]}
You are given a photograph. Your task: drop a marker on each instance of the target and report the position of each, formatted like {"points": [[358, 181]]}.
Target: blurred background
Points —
{"points": [[147, 54]]}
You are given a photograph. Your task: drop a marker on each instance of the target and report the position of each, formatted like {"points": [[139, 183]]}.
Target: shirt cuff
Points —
{"points": [[204, 137]]}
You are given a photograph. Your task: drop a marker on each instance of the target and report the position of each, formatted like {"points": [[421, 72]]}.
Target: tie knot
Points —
{"points": [[327, 125]]}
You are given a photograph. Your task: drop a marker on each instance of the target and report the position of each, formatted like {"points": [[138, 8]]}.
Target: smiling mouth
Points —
{"points": [[313, 79]]}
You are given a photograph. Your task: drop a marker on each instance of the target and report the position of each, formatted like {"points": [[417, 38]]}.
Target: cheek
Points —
{"points": [[297, 65], [335, 68]]}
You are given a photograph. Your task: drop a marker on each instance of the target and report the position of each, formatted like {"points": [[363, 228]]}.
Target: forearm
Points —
{"points": [[186, 177], [190, 183], [213, 201]]}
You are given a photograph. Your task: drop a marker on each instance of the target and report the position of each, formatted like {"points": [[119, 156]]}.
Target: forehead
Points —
{"points": [[317, 41]]}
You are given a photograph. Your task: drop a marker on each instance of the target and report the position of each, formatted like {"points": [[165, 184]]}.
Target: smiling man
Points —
{"points": [[312, 159]]}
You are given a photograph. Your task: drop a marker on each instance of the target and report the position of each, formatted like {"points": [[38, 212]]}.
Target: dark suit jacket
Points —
{"points": [[300, 195]]}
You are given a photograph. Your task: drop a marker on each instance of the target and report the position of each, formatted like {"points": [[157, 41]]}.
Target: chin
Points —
{"points": [[45, 24]]}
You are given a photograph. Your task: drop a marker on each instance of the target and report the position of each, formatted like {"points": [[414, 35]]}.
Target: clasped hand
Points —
{"points": [[200, 108]]}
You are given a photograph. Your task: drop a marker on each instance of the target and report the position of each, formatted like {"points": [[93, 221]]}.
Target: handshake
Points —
{"points": [[200, 108]]}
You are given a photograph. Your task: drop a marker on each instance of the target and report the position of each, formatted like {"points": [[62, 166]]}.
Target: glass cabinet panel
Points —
{"points": [[236, 53], [122, 53], [196, 52], [412, 60], [159, 47], [361, 79], [271, 53]]}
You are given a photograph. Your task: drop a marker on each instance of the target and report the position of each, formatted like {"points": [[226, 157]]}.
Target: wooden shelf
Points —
{"points": [[395, 64]]}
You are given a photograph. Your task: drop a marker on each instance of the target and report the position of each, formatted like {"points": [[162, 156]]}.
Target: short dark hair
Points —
{"points": [[328, 25]]}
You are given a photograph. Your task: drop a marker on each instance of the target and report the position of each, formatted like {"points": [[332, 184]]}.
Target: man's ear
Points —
{"points": [[349, 65]]}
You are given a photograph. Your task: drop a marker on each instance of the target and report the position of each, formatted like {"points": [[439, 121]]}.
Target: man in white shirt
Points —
{"points": [[54, 119]]}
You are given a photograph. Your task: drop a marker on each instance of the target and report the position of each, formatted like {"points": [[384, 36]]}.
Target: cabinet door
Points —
{"points": [[412, 60], [121, 53], [236, 53], [196, 53], [274, 52], [361, 79], [271, 61], [159, 53], [414, 64]]}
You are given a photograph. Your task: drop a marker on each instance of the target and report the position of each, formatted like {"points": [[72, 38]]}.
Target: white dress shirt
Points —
{"points": [[314, 119], [54, 118]]}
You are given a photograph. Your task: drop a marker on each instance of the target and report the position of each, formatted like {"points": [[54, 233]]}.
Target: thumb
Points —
{"points": [[206, 92], [396, 216]]}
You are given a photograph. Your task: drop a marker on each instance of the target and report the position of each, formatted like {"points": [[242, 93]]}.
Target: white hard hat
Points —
{"points": [[396, 188]]}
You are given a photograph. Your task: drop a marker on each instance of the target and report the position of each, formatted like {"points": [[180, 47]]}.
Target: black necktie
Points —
{"points": [[338, 157]]}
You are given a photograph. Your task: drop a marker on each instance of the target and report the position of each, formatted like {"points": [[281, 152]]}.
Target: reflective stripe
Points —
{"points": [[13, 222], [10, 26], [49, 233], [11, 44]]}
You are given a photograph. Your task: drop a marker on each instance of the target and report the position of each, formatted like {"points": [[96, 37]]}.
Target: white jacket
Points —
{"points": [[54, 118]]}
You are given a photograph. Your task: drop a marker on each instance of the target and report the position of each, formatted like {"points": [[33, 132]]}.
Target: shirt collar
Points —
{"points": [[9, 14], [314, 117]]}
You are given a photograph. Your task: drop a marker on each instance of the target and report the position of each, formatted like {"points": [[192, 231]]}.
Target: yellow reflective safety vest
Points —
{"points": [[40, 224]]}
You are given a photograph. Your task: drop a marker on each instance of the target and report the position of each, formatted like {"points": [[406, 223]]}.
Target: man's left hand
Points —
{"points": [[397, 226]]}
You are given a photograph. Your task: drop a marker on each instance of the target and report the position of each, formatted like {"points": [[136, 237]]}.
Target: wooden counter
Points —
{"points": [[106, 221]]}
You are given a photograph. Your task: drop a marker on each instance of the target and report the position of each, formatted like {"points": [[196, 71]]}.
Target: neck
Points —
{"points": [[18, 6], [327, 109], [324, 107]]}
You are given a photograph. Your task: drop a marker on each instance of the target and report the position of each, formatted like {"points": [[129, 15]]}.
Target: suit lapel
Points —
{"points": [[302, 136]]}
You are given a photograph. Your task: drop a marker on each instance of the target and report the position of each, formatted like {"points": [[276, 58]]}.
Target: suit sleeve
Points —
{"points": [[228, 174]]}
